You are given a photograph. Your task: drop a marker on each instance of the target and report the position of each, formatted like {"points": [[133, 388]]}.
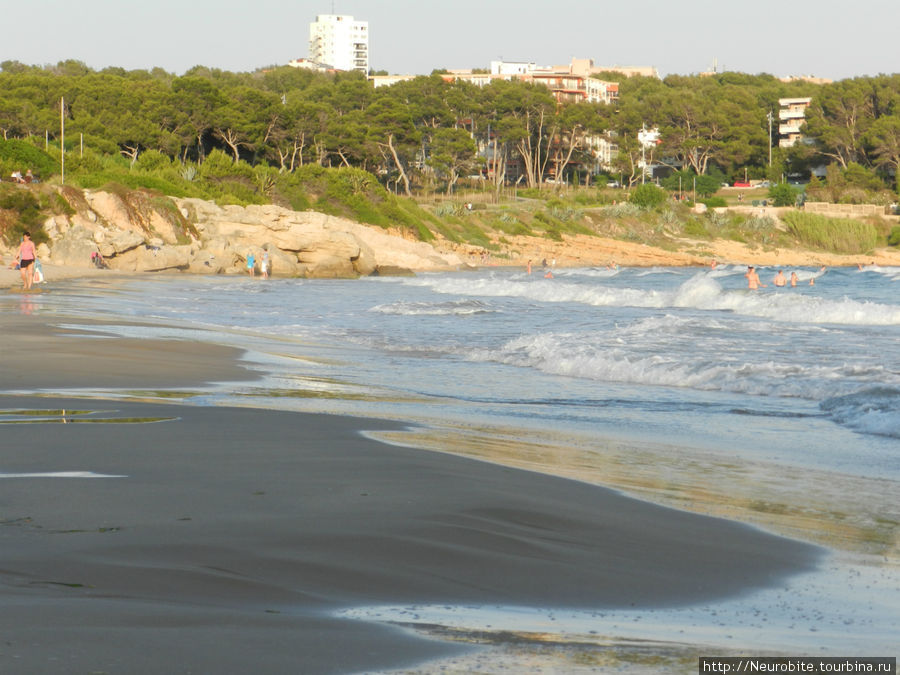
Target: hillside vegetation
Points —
{"points": [[472, 220], [412, 156]]}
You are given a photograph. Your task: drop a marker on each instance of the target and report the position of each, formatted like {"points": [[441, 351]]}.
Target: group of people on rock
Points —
{"points": [[18, 177]]}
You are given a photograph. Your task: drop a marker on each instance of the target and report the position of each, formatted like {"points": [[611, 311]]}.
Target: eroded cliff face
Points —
{"points": [[134, 231]]}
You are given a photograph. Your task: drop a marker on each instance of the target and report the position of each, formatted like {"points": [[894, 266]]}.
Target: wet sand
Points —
{"points": [[229, 535]]}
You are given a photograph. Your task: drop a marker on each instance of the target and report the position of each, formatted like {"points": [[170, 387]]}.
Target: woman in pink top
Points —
{"points": [[26, 256]]}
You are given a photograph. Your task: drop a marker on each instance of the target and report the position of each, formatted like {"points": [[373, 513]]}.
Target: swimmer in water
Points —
{"points": [[753, 279]]}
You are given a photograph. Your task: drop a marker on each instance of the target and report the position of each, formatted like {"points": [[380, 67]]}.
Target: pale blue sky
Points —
{"points": [[827, 38]]}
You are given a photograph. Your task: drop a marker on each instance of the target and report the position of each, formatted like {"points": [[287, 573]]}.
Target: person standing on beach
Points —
{"points": [[251, 264], [264, 265], [26, 258], [753, 282]]}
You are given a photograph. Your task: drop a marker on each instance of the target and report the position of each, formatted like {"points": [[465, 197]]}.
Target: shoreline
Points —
{"points": [[261, 519], [574, 251]]}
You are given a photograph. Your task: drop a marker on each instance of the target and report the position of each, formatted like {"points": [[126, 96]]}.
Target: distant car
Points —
{"points": [[741, 184], [613, 184], [764, 183]]}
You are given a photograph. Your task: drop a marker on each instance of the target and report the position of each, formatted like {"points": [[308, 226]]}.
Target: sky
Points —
{"points": [[833, 39]]}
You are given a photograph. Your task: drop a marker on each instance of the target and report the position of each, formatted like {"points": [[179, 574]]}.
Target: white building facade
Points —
{"points": [[340, 42], [792, 117]]}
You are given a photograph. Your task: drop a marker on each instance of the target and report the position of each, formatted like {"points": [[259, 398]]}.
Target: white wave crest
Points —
{"points": [[457, 308], [702, 292], [875, 410]]}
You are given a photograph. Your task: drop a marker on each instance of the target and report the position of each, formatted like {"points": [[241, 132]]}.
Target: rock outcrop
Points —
{"points": [[133, 232]]}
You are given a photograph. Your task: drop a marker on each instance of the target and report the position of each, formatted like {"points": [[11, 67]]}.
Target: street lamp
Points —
{"points": [[770, 117]]}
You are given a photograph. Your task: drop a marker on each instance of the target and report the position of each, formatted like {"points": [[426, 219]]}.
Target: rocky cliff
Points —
{"points": [[134, 231]]}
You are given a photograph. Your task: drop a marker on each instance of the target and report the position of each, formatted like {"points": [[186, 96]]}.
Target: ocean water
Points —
{"points": [[806, 376], [796, 386]]}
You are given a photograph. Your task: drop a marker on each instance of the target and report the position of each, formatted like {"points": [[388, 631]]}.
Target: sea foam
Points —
{"points": [[701, 292]]}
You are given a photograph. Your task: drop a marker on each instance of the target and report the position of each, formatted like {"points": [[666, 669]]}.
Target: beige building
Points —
{"points": [[791, 117], [569, 83]]}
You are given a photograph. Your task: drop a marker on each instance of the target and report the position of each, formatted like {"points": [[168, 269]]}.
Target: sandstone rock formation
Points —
{"points": [[134, 232]]}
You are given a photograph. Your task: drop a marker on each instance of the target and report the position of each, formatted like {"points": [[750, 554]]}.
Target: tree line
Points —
{"points": [[430, 131]]}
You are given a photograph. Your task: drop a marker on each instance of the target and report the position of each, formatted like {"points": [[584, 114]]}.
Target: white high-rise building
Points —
{"points": [[340, 42]]}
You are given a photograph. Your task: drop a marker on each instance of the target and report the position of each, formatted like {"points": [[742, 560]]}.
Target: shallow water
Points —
{"points": [[806, 375], [779, 407]]}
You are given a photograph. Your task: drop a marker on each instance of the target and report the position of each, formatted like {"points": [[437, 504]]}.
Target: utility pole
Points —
{"points": [[642, 138], [62, 139], [770, 117]]}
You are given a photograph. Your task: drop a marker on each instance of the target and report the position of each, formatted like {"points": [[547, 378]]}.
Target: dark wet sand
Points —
{"points": [[235, 531]]}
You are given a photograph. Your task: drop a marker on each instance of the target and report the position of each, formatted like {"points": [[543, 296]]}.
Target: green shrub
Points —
{"points": [[894, 237], [783, 195], [218, 164], [151, 160], [714, 202], [648, 196], [836, 235], [28, 215], [90, 162]]}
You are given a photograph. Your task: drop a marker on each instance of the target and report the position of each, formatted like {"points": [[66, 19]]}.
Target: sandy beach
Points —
{"points": [[212, 539]]}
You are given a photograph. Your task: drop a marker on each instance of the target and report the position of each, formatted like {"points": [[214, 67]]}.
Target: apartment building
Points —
{"points": [[791, 116], [307, 64], [569, 83], [340, 42]]}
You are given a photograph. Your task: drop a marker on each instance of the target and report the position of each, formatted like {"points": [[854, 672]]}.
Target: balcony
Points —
{"points": [[792, 113]]}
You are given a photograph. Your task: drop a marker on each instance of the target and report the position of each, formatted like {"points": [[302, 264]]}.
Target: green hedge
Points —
{"points": [[836, 235]]}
